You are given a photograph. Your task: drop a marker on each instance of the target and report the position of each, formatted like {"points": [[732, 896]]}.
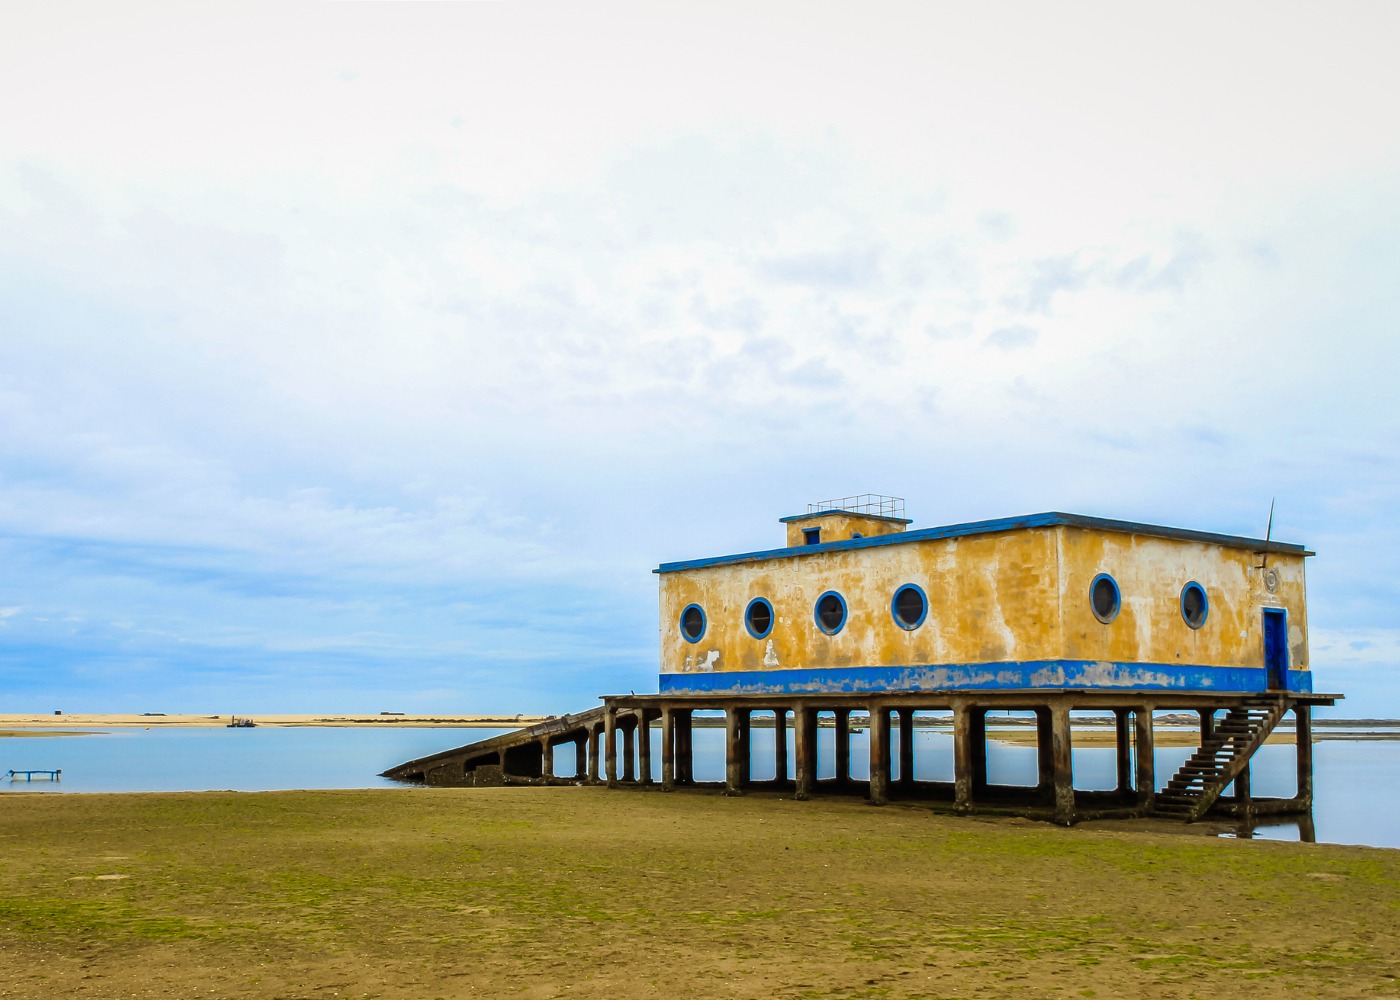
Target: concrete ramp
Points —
{"points": [[522, 757]]}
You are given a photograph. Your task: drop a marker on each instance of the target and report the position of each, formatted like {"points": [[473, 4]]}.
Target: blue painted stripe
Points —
{"points": [[1095, 675], [1046, 520]]}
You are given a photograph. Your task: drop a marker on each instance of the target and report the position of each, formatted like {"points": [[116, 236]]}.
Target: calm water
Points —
{"points": [[1347, 808]]}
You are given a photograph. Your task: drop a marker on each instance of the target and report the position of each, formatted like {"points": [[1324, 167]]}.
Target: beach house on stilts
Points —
{"points": [[1067, 623]]}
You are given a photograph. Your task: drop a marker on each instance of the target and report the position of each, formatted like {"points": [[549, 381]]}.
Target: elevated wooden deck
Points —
{"points": [[615, 743]]}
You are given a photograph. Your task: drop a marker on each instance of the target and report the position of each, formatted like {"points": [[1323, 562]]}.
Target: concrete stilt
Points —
{"points": [[978, 721], [581, 757], [805, 756], [1064, 764], [629, 749], [546, 758], [1302, 732], [1044, 757], [879, 754], [1243, 799], [685, 754], [843, 745], [962, 757], [780, 746], [1146, 777], [906, 747], [594, 765], [668, 750], [610, 745], [1123, 739], [733, 748], [745, 748], [644, 746]]}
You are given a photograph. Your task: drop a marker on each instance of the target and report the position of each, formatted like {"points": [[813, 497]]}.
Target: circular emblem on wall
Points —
{"points": [[1271, 580]]}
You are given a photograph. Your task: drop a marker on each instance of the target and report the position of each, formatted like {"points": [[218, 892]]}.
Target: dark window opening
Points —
{"points": [[692, 622], [758, 618], [811, 536], [1105, 598], [1195, 606], [910, 606], [831, 612]]}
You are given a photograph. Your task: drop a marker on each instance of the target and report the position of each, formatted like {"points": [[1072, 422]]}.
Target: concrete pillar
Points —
{"points": [[978, 721], [1146, 778], [644, 746], [1242, 794], [746, 748], [1044, 758], [962, 757], [879, 754], [629, 750], [1123, 738], [843, 745], [1302, 731], [1064, 765], [804, 721], [581, 757], [733, 747], [685, 758], [1207, 723], [668, 751], [546, 759], [780, 746], [594, 765], [906, 746], [610, 744]]}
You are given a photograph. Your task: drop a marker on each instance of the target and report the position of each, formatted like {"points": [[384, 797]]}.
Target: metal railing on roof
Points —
{"points": [[864, 503]]}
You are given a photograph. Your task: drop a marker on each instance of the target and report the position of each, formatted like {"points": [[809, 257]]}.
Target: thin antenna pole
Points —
{"points": [[1269, 534]]}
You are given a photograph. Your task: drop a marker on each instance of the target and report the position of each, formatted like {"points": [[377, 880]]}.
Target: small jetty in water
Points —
{"points": [[1050, 614], [235, 722], [54, 774]]}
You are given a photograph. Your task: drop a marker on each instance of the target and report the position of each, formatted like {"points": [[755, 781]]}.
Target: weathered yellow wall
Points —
{"points": [[1020, 595], [837, 526], [1150, 572], [991, 597]]}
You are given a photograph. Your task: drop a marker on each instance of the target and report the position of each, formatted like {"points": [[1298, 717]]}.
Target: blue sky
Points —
{"points": [[361, 358]]}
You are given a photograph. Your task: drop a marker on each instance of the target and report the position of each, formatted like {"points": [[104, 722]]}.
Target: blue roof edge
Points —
{"points": [[1045, 520]]}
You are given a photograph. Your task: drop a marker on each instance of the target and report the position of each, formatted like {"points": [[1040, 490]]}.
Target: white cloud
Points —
{"points": [[389, 298]]}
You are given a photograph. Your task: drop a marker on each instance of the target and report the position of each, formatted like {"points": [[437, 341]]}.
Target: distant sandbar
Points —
{"points": [[84, 720]]}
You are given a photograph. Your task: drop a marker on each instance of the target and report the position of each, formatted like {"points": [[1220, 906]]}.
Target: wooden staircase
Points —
{"points": [[1221, 758]]}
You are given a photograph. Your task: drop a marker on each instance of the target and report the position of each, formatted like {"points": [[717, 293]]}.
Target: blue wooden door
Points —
{"points": [[1276, 647]]}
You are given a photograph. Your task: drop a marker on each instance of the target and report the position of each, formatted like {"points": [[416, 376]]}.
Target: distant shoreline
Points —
{"points": [[81, 723], [89, 720]]}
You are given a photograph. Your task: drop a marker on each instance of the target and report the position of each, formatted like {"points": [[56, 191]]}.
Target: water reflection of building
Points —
{"points": [[1055, 615]]}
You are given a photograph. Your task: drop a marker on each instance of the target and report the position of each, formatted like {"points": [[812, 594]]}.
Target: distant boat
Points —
{"points": [[236, 723]]}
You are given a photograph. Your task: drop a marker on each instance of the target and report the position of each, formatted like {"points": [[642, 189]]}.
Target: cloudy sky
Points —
{"points": [[360, 358]]}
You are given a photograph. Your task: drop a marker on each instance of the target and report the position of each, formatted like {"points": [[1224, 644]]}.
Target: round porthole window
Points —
{"points": [[830, 612], [758, 618], [1104, 598], [909, 607], [692, 623], [1195, 606]]}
